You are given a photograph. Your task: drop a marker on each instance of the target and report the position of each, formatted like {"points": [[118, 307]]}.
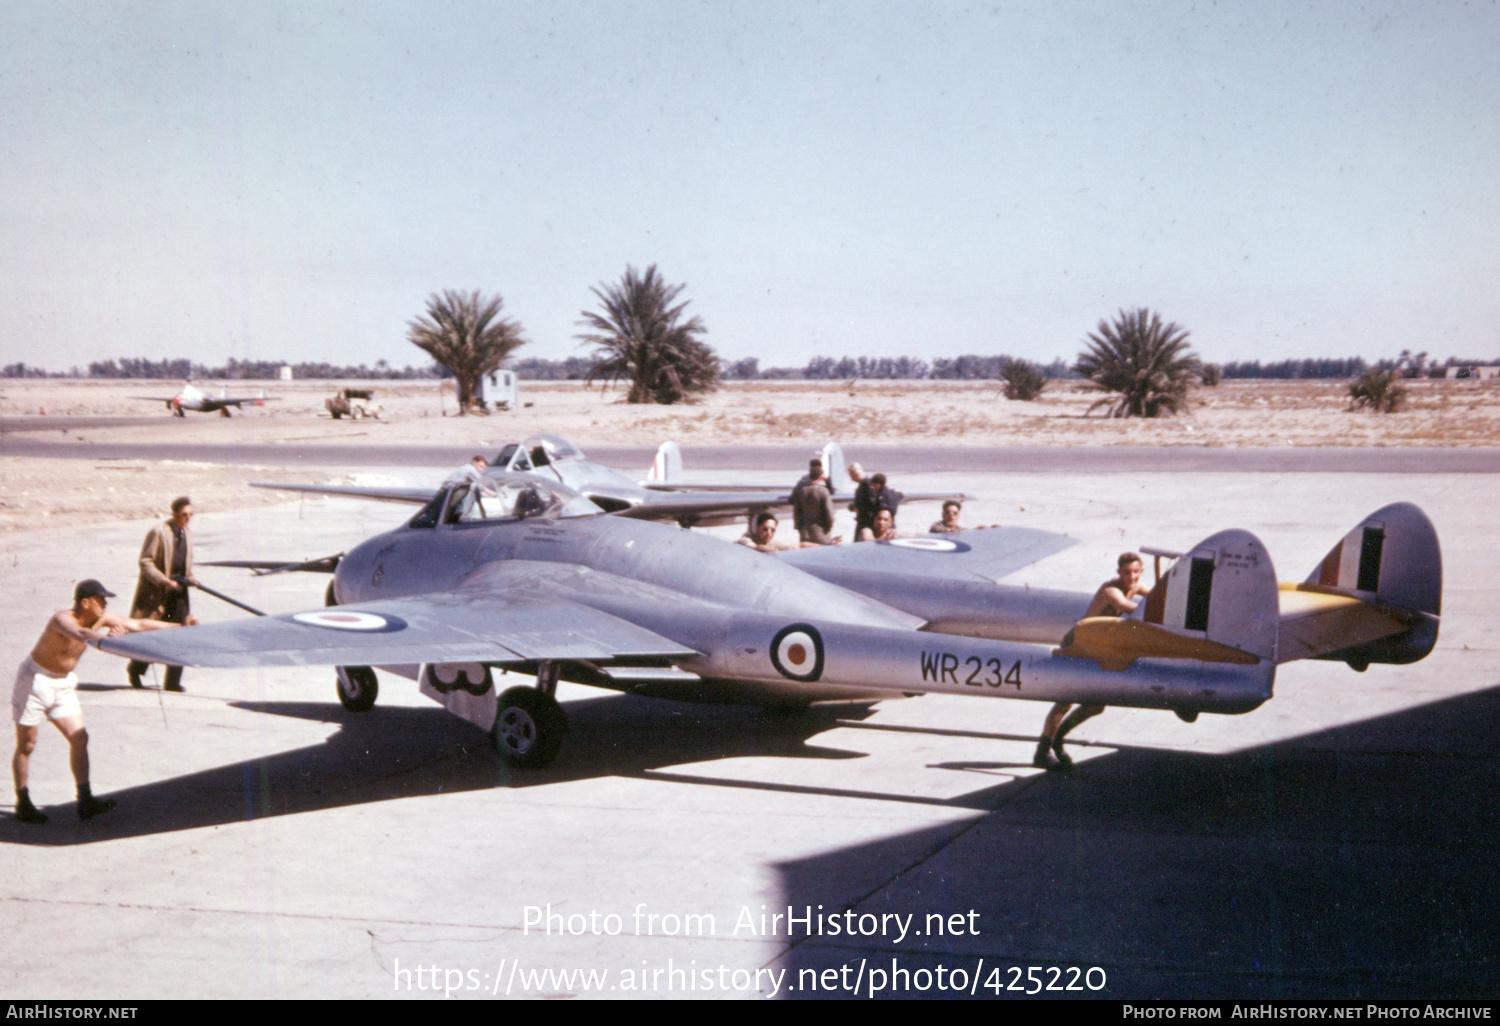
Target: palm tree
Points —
{"points": [[1024, 380], [1147, 363], [640, 336], [462, 331], [1379, 389]]}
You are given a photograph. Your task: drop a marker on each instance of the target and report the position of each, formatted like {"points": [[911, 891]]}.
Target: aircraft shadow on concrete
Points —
{"points": [[1351, 863], [406, 752]]}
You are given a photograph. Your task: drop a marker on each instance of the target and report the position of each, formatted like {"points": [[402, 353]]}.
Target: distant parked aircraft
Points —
{"points": [[193, 398]]}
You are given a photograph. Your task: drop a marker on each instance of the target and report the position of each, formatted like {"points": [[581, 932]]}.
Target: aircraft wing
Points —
{"points": [[676, 502], [786, 496], [219, 400], [677, 505], [414, 496], [442, 627], [985, 554], [693, 506], [680, 486]]}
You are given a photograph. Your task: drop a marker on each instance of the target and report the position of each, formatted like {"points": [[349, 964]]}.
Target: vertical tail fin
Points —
{"points": [[1222, 591], [1392, 564], [667, 467], [833, 466], [1216, 605]]}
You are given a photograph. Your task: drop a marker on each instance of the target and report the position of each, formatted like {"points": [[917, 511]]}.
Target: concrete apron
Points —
{"points": [[1335, 843]]}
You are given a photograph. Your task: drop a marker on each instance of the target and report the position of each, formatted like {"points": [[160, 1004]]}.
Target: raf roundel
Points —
{"points": [[929, 544], [349, 620], [797, 652]]}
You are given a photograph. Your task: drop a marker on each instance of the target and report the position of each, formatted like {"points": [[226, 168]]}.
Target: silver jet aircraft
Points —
{"points": [[514, 573], [190, 397], [664, 496]]}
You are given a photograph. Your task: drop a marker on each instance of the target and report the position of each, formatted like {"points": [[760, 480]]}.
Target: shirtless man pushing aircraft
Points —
{"points": [[1115, 597], [46, 688]]}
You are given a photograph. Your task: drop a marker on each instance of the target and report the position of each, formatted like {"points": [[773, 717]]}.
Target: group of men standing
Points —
{"points": [[874, 506], [46, 686]]}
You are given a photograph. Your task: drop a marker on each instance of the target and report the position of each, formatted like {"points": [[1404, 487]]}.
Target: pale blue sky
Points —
{"points": [[292, 180]]}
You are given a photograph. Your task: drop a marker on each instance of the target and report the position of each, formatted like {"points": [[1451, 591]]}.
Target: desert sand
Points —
{"points": [[39, 492]]}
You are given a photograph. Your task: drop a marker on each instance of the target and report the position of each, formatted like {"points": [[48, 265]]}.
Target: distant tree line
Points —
{"points": [[234, 370], [1291, 369], [576, 368], [20, 370]]}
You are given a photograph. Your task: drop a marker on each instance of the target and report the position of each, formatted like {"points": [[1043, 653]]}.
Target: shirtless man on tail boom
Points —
{"points": [[46, 688], [1115, 597]]}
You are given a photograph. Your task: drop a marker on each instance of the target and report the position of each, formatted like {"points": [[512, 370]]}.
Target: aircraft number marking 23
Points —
{"points": [[973, 671]]}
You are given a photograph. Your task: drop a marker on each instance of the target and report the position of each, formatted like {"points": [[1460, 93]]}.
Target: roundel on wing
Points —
{"points": [[797, 652], [929, 544], [338, 619]]}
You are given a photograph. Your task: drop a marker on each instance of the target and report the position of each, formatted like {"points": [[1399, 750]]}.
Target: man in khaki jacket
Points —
{"points": [[166, 554]]}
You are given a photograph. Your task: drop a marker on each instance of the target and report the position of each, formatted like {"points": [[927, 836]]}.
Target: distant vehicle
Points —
{"points": [[512, 572], [354, 403], [190, 397]]}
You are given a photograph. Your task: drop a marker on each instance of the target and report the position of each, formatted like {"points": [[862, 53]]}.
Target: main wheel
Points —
{"points": [[358, 688], [529, 728]]}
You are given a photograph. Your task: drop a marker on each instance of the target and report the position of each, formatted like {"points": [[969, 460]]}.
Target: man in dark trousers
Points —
{"points": [[166, 556], [870, 497]]}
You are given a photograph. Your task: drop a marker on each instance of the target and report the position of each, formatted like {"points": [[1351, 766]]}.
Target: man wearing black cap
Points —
{"points": [[46, 688]]}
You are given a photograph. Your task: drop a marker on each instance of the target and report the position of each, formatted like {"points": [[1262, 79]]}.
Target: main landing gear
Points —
{"points": [[529, 723], [357, 687]]}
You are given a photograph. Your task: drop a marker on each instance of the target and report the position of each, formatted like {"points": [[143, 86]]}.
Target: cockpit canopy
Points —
{"points": [[536, 451], [501, 497]]}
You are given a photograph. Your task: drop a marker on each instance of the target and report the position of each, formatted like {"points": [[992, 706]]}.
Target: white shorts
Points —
{"points": [[40, 695]]}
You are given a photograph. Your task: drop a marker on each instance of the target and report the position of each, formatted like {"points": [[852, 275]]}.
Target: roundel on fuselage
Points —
{"points": [[797, 652]]}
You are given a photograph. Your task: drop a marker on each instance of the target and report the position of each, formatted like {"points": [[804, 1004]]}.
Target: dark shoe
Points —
{"points": [[1063, 761], [1043, 758], [173, 679], [135, 678], [90, 807], [29, 813], [172, 685]]}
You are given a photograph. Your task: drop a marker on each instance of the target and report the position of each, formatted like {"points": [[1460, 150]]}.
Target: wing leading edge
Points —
{"points": [[435, 628]]}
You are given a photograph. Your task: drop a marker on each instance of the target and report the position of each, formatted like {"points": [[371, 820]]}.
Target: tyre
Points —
{"points": [[358, 688], [529, 728]]}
